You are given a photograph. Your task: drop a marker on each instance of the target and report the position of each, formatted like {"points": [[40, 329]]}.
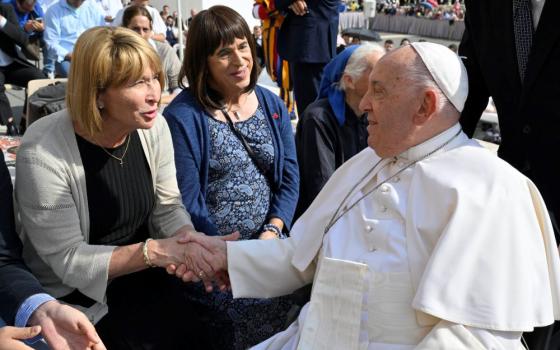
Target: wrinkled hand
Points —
{"points": [[299, 7], [65, 328], [206, 260], [11, 337]]}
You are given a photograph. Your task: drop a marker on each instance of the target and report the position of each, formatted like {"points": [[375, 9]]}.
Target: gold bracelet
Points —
{"points": [[147, 260]]}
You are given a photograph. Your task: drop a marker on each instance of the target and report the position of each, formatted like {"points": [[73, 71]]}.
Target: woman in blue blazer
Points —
{"points": [[236, 163]]}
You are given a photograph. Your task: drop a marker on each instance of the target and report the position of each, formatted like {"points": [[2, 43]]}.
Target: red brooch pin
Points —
{"points": [[275, 116]]}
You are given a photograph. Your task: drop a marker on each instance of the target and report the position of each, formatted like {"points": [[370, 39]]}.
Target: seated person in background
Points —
{"points": [[139, 20], [158, 25], [30, 17], [426, 240], [236, 164], [14, 67], [389, 45], [65, 21], [24, 302], [333, 129], [405, 41], [97, 196]]}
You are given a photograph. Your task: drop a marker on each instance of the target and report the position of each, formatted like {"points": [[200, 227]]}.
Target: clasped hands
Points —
{"points": [[193, 257]]}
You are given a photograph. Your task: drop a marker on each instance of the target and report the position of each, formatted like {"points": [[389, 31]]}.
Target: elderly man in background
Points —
{"points": [[333, 129], [65, 21], [426, 240]]}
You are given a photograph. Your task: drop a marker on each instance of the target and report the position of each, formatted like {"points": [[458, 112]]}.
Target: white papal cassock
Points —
{"points": [[455, 251]]}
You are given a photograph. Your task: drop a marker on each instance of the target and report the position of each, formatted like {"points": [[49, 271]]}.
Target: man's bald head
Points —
{"points": [[408, 100]]}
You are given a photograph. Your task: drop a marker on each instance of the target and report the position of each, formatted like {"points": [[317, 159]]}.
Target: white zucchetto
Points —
{"points": [[447, 69]]}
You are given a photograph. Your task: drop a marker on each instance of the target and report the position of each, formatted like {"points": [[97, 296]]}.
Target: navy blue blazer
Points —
{"points": [[16, 282], [188, 123], [310, 38]]}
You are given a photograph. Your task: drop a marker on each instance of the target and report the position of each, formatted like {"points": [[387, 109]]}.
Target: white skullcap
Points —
{"points": [[447, 69]]}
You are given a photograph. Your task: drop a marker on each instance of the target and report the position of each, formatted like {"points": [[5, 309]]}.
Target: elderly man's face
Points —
{"points": [[390, 104]]}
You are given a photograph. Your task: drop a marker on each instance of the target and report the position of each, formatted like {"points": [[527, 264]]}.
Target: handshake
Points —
{"points": [[192, 257]]}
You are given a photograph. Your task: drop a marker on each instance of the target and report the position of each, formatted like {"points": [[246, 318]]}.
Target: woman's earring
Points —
{"points": [[100, 105]]}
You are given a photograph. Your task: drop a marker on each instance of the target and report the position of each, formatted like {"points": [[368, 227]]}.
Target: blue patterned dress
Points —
{"points": [[238, 199]]}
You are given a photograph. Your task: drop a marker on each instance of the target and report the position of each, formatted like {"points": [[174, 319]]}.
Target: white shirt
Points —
{"points": [[537, 11], [45, 4], [109, 7]]}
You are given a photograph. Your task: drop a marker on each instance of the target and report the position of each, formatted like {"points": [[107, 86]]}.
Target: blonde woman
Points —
{"points": [[97, 195]]}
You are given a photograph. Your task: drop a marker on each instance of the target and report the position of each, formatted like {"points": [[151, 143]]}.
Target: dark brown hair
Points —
{"points": [[133, 11], [210, 29]]}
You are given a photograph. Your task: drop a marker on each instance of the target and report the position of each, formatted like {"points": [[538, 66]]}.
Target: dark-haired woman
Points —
{"points": [[236, 162]]}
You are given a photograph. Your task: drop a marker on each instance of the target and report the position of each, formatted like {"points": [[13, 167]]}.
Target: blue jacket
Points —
{"points": [[188, 122]]}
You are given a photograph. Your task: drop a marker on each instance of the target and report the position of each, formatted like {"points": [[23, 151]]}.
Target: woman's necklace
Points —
{"points": [[120, 159], [236, 112], [338, 213]]}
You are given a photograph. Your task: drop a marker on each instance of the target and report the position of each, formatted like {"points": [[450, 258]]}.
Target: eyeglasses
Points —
{"points": [[145, 83]]}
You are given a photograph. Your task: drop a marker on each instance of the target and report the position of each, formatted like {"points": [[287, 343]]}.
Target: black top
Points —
{"points": [[120, 198], [322, 146]]}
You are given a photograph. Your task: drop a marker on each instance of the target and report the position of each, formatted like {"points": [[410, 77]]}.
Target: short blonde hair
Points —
{"points": [[105, 57]]}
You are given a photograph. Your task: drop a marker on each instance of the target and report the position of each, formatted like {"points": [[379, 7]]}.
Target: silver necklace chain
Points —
{"points": [[120, 159], [336, 216]]}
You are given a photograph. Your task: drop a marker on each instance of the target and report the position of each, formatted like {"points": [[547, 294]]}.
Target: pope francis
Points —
{"points": [[425, 240]]}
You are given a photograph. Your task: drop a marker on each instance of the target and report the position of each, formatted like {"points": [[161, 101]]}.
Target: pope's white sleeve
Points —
{"points": [[263, 268], [448, 335]]}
